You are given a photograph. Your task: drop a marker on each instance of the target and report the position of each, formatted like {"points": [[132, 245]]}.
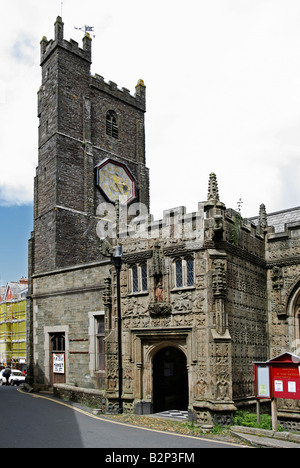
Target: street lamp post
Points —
{"points": [[117, 260]]}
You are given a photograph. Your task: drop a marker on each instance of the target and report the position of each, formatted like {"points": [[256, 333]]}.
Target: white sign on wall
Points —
{"points": [[59, 363]]}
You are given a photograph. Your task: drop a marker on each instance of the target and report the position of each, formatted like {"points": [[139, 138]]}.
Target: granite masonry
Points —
{"points": [[203, 294]]}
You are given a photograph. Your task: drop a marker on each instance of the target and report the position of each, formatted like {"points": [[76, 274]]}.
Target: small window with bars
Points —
{"points": [[112, 125], [139, 278]]}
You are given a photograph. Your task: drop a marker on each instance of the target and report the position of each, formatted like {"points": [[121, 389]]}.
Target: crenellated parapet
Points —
{"points": [[111, 88], [85, 53], [175, 225], [48, 47], [211, 225]]}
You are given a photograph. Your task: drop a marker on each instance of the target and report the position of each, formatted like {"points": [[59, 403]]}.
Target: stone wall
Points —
{"points": [[87, 397], [66, 301]]}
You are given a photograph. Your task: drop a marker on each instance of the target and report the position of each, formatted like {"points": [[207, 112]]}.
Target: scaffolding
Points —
{"points": [[13, 333]]}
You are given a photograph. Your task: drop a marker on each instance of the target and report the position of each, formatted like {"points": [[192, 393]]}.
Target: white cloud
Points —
{"points": [[2, 92], [223, 92]]}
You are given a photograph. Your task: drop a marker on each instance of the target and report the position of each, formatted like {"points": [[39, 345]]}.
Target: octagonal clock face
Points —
{"points": [[116, 181]]}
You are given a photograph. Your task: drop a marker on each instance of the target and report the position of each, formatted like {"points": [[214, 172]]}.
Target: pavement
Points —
{"points": [[172, 414], [265, 438], [255, 437]]}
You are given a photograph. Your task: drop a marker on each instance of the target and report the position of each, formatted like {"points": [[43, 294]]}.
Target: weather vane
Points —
{"points": [[86, 29]]}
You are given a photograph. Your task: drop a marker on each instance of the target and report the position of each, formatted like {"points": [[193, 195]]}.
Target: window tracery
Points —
{"points": [[112, 124]]}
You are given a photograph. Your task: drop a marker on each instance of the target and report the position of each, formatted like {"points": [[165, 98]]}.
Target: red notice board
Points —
{"points": [[284, 374], [286, 382]]}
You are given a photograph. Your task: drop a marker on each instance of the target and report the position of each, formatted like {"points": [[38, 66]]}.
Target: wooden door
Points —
{"points": [[57, 358]]}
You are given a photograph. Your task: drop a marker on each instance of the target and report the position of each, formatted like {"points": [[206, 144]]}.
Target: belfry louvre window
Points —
{"points": [[112, 125]]}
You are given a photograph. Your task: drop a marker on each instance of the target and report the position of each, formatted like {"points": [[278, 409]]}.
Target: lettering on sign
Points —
{"points": [[59, 363]]}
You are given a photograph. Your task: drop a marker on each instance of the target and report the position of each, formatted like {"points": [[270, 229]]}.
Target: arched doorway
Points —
{"points": [[296, 317], [170, 380]]}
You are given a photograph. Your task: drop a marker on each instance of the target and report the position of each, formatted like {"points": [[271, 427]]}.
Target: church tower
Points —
{"points": [[91, 155], [91, 150]]}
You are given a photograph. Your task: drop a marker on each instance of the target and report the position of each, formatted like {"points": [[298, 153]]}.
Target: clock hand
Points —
{"points": [[124, 186], [118, 187]]}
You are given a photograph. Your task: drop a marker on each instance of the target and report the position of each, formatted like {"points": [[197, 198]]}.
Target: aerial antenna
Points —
{"points": [[86, 29]]}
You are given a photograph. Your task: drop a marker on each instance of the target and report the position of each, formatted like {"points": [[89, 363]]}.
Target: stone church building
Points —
{"points": [[202, 295]]}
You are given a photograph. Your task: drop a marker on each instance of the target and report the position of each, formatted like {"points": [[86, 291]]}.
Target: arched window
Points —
{"points": [[293, 313], [296, 320], [297, 323], [112, 125]]}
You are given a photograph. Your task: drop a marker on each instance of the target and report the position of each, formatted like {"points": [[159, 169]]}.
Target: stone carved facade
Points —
{"points": [[219, 320], [241, 309], [222, 301], [283, 262]]}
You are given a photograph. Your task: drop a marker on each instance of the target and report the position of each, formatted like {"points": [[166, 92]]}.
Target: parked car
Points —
{"points": [[16, 377]]}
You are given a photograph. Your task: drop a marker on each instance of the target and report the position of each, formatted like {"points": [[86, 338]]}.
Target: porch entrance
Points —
{"points": [[170, 380]]}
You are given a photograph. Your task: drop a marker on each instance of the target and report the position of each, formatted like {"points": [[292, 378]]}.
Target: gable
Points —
{"points": [[286, 358]]}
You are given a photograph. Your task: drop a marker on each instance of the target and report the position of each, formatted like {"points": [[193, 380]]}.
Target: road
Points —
{"points": [[29, 420]]}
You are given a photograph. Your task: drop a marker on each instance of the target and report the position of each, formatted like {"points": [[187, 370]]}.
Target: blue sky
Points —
{"points": [[223, 96], [16, 226]]}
